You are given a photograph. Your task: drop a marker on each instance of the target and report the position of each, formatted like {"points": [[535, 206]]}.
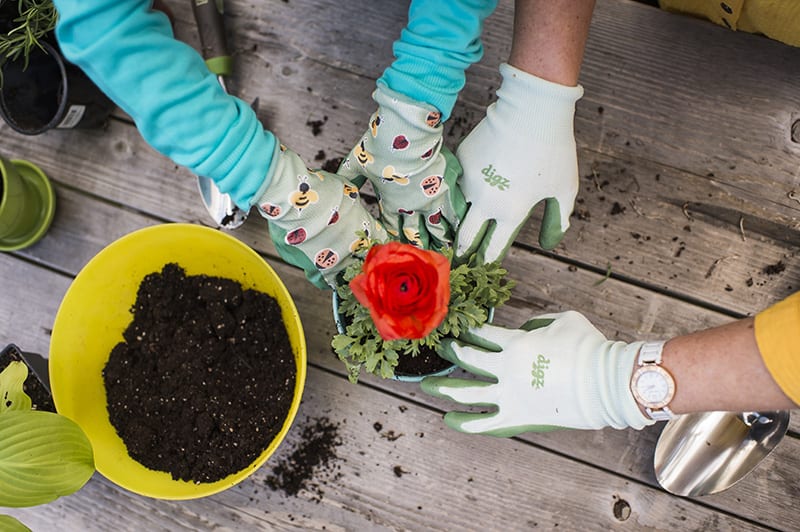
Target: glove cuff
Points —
{"points": [[543, 109], [620, 409]]}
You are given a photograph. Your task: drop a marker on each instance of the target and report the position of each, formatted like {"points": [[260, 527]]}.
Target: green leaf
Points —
{"points": [[11, 524], [42, 457], [12, 395]]}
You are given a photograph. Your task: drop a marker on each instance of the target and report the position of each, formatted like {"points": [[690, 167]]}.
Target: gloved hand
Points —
{"points": [[402, 155], [557, 370], [129, 51], [315, 218], [522, 152]]}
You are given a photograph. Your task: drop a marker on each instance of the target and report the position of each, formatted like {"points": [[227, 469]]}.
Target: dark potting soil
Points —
{"points": [[312, 463], [204, 379], [425, 363]]}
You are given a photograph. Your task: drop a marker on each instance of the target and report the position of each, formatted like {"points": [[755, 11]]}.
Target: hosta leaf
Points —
{"points": [[12, 396], [42, 457], [11, 524]]}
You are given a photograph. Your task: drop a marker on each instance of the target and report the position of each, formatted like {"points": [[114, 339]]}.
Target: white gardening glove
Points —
{"points": [[414, 176], [557, 370], [522, 152]]}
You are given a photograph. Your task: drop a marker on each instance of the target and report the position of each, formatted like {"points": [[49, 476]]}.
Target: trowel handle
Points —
{"points": [[208, 16]]}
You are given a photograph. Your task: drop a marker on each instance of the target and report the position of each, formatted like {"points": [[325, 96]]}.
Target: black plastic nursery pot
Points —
{"points": [[37, 384], [50, 92]]}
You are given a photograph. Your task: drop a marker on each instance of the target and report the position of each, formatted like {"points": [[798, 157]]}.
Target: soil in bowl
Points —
{"points": [[204, 378]]}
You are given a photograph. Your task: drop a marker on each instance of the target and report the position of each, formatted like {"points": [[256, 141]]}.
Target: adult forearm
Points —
{"points": [[550, 38], [721, 369]]}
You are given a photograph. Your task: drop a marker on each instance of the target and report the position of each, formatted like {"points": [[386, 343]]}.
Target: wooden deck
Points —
{"points": [[689, 192]]}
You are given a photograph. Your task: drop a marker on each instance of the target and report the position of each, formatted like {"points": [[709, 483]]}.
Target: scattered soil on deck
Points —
{"points": [[312, 463], [204, 379]]}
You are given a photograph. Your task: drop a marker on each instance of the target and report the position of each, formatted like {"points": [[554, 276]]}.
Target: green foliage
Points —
{"points": [[11, 524], [474, 289], [36, 19], [43, 455], [12, 394]]}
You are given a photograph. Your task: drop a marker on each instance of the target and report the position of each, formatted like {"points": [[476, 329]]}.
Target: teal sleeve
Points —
{"points": [[180, 109], [441, 40]]}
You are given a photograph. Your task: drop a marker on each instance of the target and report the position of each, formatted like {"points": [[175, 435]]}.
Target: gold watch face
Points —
{"points": [[653, 387]]}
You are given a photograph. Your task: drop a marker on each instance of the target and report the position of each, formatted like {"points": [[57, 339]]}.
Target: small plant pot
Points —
{"points": [[37, 384], [445, 368], [27, 204], [50, 93]]}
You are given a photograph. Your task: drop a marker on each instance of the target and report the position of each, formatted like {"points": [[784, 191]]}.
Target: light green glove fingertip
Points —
{"points": [[551, 232], [536, 323], [432, 385]]}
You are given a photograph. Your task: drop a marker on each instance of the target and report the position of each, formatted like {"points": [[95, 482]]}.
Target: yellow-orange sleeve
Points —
{"points": [[777, 331], [777, 19]]}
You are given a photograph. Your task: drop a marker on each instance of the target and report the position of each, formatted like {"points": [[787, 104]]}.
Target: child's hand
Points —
{"points": [[317, 220], [401, 154]]}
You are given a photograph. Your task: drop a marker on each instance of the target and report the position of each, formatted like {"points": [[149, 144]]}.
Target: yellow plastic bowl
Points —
{"points": [[96, 310]]}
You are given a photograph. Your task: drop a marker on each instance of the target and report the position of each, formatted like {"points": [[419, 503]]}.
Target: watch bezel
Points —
{"points": [[653, 368]]}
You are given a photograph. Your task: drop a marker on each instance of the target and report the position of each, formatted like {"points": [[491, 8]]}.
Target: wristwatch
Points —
{"points": [[653, 386]]}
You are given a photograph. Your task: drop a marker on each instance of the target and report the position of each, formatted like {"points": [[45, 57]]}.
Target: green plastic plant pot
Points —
{"points": [[27, 204]]}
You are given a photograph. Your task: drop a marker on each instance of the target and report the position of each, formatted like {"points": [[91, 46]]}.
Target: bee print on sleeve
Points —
{"points": [[304, 195], [362, 155], [350, 191], [390, 176], [374, 124]]}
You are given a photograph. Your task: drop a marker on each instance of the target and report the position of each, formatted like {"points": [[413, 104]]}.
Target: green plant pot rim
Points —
{"points": [[35, 177]]}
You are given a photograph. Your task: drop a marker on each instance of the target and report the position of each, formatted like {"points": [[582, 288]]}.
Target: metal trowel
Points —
{"points": [[704, 453], [208, 15]]}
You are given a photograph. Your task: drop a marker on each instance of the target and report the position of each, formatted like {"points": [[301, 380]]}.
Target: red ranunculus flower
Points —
{"points": [[406, 289]]}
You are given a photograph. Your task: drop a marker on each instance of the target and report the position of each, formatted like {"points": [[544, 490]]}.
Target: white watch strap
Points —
{"points": [[663, 414], [650, 353]]}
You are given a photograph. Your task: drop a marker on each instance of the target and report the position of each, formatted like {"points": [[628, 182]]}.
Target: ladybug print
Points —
{"points": [[428, 154], [326, 258], [405, 211], [431, 185], [435, 218], [271, 210], [433, 118], [334, 216], [400, 143], [297, 236]]}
